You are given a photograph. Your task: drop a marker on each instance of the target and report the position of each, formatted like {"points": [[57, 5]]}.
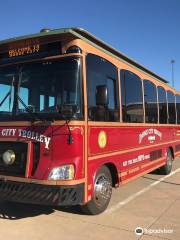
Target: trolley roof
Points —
{"points": [[91, 39]]}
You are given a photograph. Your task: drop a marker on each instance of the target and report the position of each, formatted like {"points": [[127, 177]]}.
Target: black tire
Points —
{"points": [[102, 193], [166, 169]]}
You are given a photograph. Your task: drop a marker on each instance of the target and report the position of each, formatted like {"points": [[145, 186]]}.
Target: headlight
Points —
{"points": [[65, 172], [9, 157]]}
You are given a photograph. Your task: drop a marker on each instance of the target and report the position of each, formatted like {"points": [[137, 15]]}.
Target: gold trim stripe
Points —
{"points": [[133, 170], [114, 153], [83, 123], [122, 174], [124, 124], [151, 163], [40, 123], [43, 182], [85, 146], [141, 174], [89, 198], [29, 158]]}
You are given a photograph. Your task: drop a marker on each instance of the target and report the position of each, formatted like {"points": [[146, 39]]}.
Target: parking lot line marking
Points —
{"points": [[135, 195]]}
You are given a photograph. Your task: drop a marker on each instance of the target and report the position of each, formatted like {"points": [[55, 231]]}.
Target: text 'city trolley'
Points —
{"points": [[78, 118]]}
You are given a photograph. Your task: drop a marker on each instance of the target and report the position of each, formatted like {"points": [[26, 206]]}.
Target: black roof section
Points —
{"points": [[91, 39]]}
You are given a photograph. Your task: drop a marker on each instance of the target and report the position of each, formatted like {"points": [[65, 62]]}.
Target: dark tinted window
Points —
{"points": [[171, 107], [132, 100], [150, 102], [178, 108], [101, 74], [162, 105]]}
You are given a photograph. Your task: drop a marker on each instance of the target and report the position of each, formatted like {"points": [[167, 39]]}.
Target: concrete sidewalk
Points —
{"points": [[157, 210]]}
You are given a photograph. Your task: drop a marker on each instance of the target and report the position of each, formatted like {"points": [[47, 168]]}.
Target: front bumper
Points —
{"points": [[41, 194]]}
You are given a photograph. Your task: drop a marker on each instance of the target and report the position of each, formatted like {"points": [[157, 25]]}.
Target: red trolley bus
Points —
{"points": [[77, 118]]}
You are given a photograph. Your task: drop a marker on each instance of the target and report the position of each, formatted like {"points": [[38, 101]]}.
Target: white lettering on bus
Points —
{"points": [[139, 158], [9, 132], [148, 132]]}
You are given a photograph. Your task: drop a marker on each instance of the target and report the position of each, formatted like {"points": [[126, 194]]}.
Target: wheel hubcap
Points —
{"points": [[102, 190]]}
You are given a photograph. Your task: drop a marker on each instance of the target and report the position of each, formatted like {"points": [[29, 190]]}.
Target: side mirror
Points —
{"points": [[102, 97]]}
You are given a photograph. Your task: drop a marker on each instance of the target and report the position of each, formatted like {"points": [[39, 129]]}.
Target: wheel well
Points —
{"points": [[114, 173], [172, 151]]}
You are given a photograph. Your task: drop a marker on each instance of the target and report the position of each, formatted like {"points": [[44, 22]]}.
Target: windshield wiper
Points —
{"points": [[30, 111], [4, 99], [27, 108]]}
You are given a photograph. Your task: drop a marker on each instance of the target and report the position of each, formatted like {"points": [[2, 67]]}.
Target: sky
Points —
{"points": [[146, 31]]}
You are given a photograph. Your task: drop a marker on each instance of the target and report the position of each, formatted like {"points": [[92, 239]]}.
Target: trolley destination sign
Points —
{"points": [[33, 48], [30, 49]]}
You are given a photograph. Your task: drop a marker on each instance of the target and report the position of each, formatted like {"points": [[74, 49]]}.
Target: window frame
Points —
{"points": [[122, 72], [117, 100], [178, 123], [157, 100], [169, 91], [158, 87]]}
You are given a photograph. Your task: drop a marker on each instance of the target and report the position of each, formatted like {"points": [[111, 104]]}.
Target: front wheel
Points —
{"points": [[102, 192], [166, 169]]}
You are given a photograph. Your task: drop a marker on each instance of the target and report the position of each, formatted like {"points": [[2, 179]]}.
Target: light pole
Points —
{"points": [[172, 63]]}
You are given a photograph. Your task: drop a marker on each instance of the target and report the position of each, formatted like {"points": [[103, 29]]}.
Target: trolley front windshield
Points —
{"points": [[41, 89]]}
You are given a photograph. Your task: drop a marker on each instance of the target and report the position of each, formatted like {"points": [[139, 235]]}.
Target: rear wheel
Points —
{"points": [[102, 192], [166, 169]]}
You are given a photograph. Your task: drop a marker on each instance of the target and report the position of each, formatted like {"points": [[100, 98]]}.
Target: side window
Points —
{"points": [[162, 105], [102, 89], [132, 100], [171, 107], [150, 102], [178, 108]]}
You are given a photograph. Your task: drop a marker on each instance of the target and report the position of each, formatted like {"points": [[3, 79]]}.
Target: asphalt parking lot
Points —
{"points": [[151, 202]]}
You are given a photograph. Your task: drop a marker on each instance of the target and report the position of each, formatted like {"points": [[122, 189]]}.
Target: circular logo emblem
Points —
{"points": [[102, 139], [139, 231]]}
